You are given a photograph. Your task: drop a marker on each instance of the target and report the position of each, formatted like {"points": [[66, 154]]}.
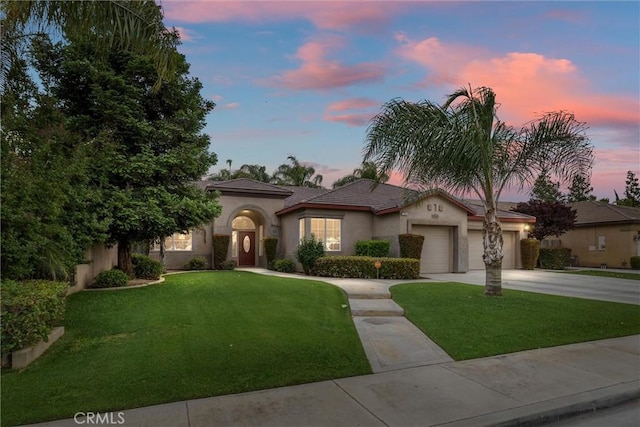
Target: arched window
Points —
{"points": [[243, 223]]}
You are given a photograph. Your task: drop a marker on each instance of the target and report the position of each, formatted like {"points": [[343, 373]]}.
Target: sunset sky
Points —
{"points": [[303, 78]]}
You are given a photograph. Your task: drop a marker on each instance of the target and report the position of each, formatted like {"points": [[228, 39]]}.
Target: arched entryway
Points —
{"points": [[246, 238]]}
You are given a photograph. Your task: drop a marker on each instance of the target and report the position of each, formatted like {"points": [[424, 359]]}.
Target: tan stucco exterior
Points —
{"points": [[436, 214], [603, 245]]}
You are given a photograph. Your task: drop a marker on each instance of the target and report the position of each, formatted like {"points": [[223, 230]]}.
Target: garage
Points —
{"points": [[437, 250], [476, 249]]}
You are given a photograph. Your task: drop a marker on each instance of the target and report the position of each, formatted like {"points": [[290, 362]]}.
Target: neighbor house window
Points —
{"points": [[327, 230], [177, 242]]}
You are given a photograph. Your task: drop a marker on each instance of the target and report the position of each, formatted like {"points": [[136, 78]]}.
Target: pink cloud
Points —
{"points": [[319, 72], [324, 15], [526, 84], [230, 106], [352, 103], [351, 109]]}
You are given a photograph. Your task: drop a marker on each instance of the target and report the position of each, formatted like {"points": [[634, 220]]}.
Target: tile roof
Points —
{"points": [[364, 193], [249, 186], [301, 194], [504, 210], [591, 212]]}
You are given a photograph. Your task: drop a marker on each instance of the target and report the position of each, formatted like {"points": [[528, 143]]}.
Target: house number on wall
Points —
{"points": [[435, 207]]}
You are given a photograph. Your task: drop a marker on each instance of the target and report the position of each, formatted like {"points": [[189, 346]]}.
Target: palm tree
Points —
{"points": [[367, 170], [131, 25], [254, 172], [463, 147], [296, 174]]}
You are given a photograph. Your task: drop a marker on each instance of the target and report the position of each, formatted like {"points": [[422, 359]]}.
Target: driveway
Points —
{"points": [[555, 283]]}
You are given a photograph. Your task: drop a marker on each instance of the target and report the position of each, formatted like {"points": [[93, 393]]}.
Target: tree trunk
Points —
{"points": [[124, 257], [492, 242], [162, 252]]}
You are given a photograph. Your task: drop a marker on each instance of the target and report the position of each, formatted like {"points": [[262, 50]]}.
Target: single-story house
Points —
{"points": [[604, 235], [360, 210]]}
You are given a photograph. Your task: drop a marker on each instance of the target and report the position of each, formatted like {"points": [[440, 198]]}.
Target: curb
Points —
{"points": [[555, 410]]}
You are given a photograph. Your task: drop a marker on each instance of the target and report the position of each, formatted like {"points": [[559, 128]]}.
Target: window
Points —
{"points": [[301, 230], [234, 244], [177, 242], [327, 230], [261, 240]]}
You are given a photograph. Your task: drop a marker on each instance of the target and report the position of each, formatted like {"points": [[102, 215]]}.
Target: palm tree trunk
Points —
{"points": [[492, 241]]}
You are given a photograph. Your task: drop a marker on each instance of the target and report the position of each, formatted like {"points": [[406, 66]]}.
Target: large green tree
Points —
{"points": [[580, 189], [546, 190], [464, 147], [147, 147], [631, 192], [46, 225]]}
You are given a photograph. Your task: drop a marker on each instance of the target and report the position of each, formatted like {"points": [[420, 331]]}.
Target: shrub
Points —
{"points": [[375, 248], [410, 245], [363, 267], [308, 251], [145, 267], [220, 249], [555, 258], [284, 265], [635, 262], [196, 263], [270, 246], [530, 251], [28, 312], [113, 278], [227, 265]]}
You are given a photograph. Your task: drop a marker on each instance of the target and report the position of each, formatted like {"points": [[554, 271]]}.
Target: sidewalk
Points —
{"points": [[415, 383]]}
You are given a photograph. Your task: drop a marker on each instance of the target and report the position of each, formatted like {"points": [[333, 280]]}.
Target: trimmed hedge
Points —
{"points": [[410, 245], [227, 265], [555, 258], [28, 312], [635, 262], [113, 278], [220, 249], [363, 267], [308, 252], [530, 251], [374, 248], [145, 267], [196, 263], [284, 265], [270, 246]]}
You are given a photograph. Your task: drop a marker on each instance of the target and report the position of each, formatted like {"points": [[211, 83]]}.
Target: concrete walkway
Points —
{"points": [[415, 383]]}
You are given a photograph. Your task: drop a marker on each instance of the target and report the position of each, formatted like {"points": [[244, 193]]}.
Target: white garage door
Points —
{"points": [[437, 253], [476, 250]]}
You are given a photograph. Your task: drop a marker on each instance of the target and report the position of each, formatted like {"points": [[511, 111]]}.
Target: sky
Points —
{"points": [[304, 78]]}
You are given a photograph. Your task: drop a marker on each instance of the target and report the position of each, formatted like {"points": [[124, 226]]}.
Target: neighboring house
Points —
{"points": [[360, 210], [605, 235]]}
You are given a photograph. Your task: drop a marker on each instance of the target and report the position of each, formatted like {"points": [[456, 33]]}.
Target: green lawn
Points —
{"points": [[195, 335], [467, 325], [606, 273]]}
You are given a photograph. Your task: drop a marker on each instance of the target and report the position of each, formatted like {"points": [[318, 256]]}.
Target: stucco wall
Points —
{"points": [[99, 258], [355, 225], [619, 245]]}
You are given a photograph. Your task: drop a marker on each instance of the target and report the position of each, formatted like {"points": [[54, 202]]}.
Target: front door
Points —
{"points": [[246, 248]]}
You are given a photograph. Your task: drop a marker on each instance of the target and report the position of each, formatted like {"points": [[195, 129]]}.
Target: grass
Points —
{"points": [[467, 324], [605, 273], [195, 335]]}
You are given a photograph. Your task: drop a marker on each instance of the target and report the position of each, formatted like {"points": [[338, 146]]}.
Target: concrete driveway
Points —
{"points": [[555, 283]]}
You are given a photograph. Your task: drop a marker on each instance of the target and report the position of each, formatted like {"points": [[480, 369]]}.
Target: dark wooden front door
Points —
{"points": [[246, 248]]}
